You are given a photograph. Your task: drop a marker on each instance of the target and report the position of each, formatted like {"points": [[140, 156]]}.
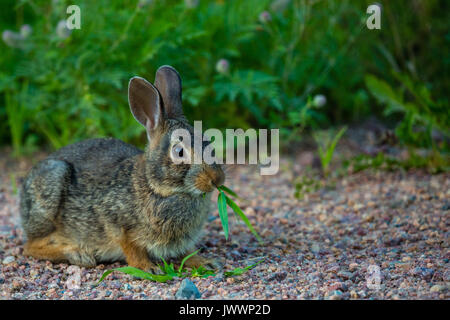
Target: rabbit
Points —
{"points": [[103, 200]]}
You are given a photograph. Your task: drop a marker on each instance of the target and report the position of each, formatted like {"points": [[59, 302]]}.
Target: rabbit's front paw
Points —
{"points": [[147, 266], [80, 258], [153, 268]]}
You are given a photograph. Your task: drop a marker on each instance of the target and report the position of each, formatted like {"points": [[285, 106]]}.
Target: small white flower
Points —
{"points": [[319, 101], [265, 17], [62, 31], [12, 39], [222, 66], [25, 30]]}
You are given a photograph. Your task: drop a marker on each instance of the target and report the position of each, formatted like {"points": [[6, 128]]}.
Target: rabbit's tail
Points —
{"points": [[41, 195]]}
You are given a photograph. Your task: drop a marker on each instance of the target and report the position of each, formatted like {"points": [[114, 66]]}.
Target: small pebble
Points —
{"points": [[345, 274], [188, 290], [436, 288], [335, 295], [8, 260], [353, 266]]}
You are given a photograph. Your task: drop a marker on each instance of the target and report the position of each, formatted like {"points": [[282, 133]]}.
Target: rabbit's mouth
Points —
{"points": [[209, 179]]}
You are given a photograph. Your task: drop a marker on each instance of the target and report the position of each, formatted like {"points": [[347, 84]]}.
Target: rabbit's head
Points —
{"points": [[158, 108]]}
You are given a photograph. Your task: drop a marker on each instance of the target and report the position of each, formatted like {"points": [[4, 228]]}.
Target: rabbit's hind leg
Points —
{"points": [[40, 201], [41, 195], [57, 248]]}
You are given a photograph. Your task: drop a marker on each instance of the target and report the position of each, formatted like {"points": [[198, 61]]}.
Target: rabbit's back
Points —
{"points": [[74, 181], [95, 155], [100, 190]]}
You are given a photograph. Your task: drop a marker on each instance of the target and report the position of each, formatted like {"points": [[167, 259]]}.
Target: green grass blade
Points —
{"points": [[244, 218], [234, 272], [228, 190], [180, 269], [137, 273], [202, 272], [222, 206], [239, 271], [168, 268], [330, 151], [161, 267], [105, 274], [13, 183], [254, 265]]}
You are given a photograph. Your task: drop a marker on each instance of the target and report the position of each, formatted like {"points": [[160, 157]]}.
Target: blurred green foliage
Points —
{"points": [[259, 63]]}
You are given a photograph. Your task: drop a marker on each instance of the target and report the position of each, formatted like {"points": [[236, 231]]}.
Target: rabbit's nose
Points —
{"points": [[218, 178], [215, 174]]}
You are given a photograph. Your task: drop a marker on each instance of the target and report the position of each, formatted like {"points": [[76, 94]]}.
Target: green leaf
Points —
{"points": [[326, 147], [330, 149], [180, 269], [137, 273], [202, 272], [241, 214], [228, 190], [222, 206], [168, 268], [239, 271], [384, 93]]}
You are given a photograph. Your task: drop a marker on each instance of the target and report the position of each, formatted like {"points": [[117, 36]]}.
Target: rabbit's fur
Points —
{"points": [[105, 200]]}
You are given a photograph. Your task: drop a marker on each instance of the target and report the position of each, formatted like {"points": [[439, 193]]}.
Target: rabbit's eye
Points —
{"points": [[178, 150]]}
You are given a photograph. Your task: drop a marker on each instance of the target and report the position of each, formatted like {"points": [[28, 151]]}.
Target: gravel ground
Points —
{"points": [[326, 246]]}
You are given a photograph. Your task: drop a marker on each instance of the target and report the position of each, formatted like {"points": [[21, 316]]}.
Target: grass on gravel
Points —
{"points": [[169, 272]]}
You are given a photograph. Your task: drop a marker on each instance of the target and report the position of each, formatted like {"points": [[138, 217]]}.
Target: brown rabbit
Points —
{"points": [[104, 200]]}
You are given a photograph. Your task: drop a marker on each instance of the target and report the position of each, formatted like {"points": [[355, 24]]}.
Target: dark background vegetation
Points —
{"points": [[252, 63]]}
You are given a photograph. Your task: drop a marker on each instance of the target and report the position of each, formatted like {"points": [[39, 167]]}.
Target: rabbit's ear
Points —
{"points": [[168, 82], [145, 103]]}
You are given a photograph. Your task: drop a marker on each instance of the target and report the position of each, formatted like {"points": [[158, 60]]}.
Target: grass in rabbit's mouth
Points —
{"points": [[169, 272], [222, 201]]}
